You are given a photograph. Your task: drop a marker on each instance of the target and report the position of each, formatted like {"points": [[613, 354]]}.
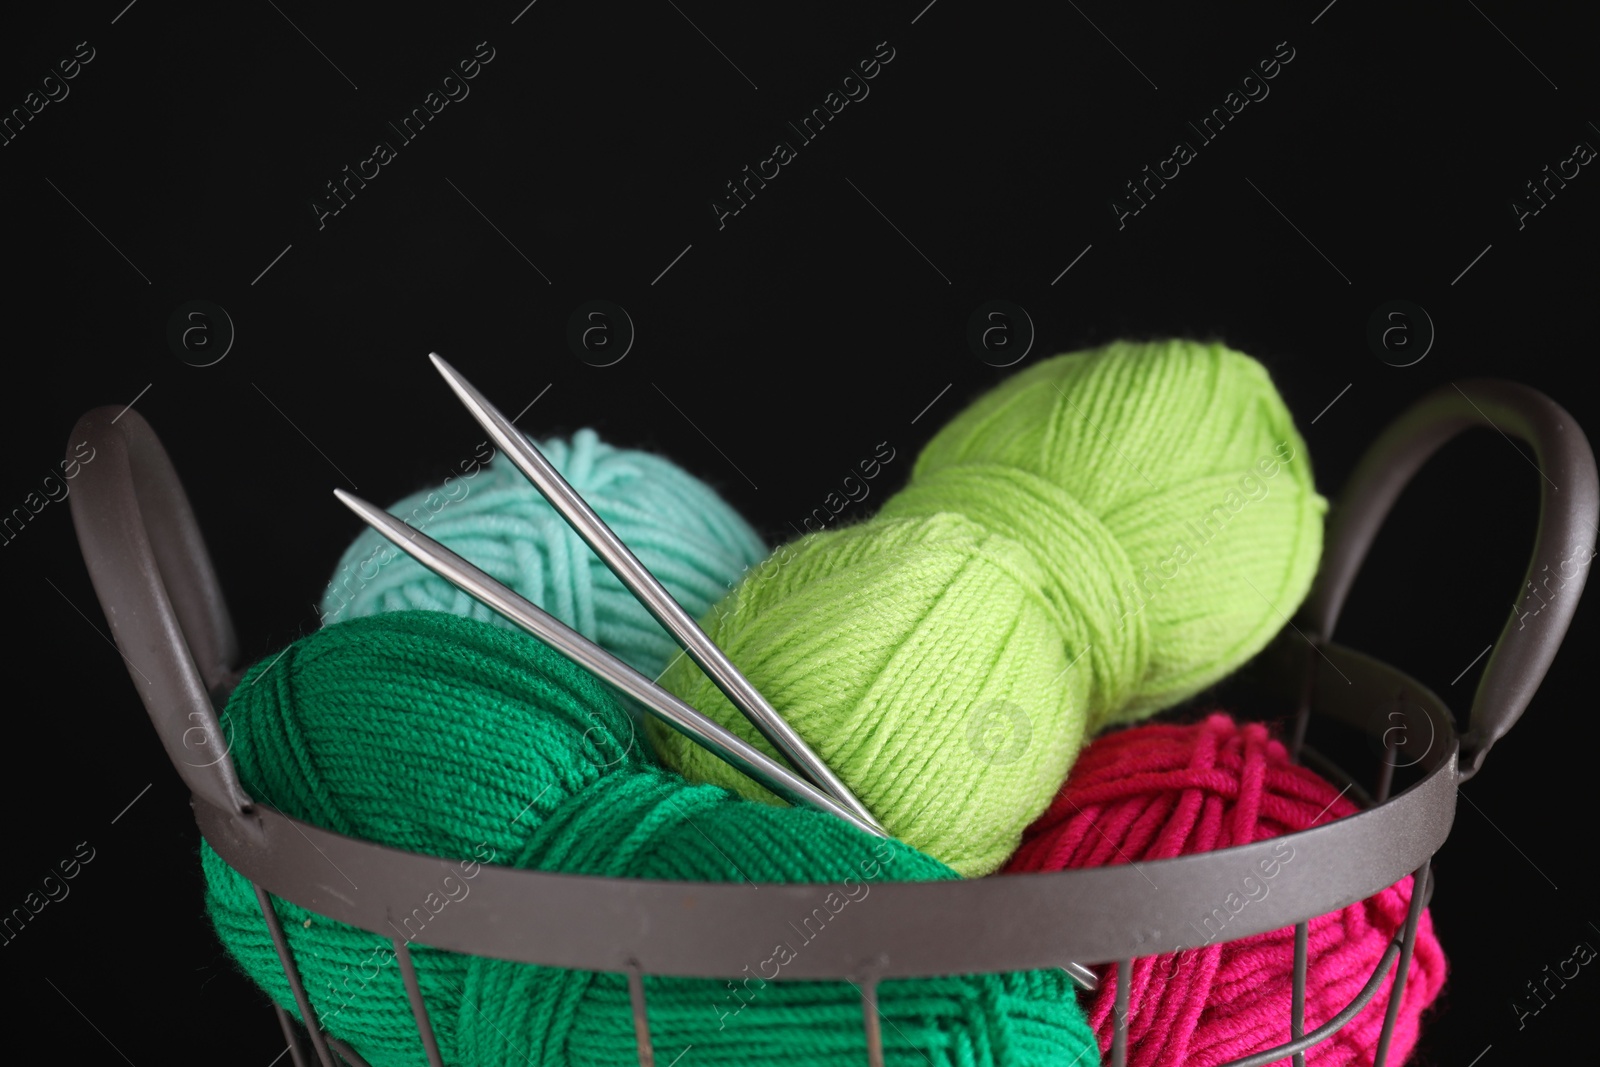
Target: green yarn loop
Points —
{"points": [[678, 526], [452, 737], [1101, 536]]}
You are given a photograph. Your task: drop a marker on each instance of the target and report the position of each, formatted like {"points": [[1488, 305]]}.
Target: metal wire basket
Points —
{"points": [[155, 581]]}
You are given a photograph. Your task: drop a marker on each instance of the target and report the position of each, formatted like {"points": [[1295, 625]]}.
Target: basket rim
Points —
{"points": [[915, 929]]}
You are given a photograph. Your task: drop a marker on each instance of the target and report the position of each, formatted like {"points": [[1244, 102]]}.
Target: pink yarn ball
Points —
{"points": [[1159, 791]]}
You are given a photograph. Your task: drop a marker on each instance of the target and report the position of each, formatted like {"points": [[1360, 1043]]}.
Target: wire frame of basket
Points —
{"points": [[155, 580]]}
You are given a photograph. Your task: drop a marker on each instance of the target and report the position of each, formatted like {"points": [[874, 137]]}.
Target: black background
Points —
{"points": [[775, 353]]}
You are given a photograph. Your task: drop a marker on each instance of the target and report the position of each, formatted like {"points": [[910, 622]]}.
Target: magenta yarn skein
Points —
{"points": [[1163, 790]]}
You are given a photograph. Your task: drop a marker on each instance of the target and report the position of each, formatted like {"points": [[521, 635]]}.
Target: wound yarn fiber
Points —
{"points": [[1175, 473], [445, 735], [1158, 791], [652, 824], [419, 730], [1096, 538], [491, 514]]}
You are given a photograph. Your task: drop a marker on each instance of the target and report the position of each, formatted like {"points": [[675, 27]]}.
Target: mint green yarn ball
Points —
{"points": [[1097, 538], [493, 516]]}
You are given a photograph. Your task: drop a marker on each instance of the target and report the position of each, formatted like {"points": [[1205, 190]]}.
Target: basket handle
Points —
{"points": [[1569, 505], [159, 591]]}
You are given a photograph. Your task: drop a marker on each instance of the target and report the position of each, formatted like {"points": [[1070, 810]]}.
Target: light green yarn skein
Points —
{"points": [[903, 651], [677, 525], [948, 657], [1190, 461]]}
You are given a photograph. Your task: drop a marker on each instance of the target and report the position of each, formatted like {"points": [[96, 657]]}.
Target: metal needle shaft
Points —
{"points": [[638, 579], [1082, 975], [658, 701]]}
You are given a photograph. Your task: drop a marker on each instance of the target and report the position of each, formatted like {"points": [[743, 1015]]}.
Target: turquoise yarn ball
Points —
{"points": [[678, 526]]}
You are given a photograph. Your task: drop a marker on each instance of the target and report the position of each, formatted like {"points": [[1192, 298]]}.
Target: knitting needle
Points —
{"points": [[651, 593], [658, 701], [665, 706], [1082, 975], [633, 574]]}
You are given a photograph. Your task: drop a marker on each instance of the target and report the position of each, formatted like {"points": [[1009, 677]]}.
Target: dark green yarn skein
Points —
{"points": [[417, 730], [430, 732]]}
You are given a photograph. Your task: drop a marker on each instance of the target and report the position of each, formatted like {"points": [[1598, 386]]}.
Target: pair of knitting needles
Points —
{"points": [[815, 786]]}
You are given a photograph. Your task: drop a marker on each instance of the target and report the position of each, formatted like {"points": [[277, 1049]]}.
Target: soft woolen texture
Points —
{"points": [[1166, 486], [419, 730], [654, 825], [1158, 791], [444, 735], [677, 525], [1097, 538]]}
